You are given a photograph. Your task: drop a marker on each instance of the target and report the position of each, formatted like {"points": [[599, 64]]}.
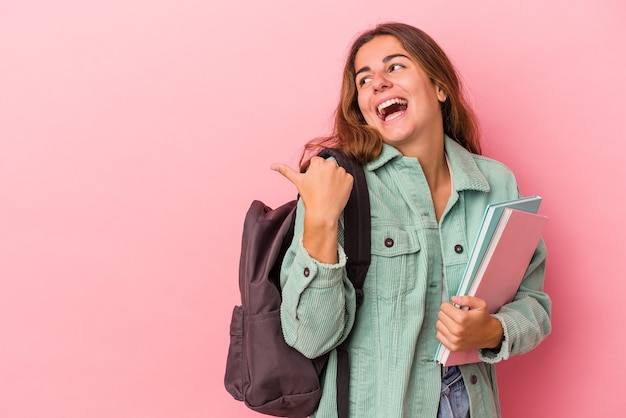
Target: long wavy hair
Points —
{"points": [[360, 141]]}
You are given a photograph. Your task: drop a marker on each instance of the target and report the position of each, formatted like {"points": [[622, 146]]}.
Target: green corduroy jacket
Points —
{"points": [[392, 346]]}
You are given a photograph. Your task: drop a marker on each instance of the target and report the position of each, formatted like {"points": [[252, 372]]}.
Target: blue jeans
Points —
{"points": [[454, 402]]}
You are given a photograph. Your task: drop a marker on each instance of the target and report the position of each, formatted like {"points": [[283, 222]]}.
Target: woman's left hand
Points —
{"points": [[468, 329]]}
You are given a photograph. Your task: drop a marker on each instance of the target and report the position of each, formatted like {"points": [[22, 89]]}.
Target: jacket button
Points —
{"points": [[306, 272], [458, 248], [389, 243], [474, 379]]}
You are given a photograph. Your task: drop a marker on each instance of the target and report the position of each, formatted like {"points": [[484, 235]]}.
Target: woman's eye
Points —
{"points": [[394, 67], [364, 80]]}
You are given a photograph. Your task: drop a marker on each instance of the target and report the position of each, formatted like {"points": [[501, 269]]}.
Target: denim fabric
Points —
{"points": [[454, 402]]}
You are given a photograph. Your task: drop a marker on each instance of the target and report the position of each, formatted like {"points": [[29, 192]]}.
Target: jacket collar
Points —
{"points": [[465, 172]]}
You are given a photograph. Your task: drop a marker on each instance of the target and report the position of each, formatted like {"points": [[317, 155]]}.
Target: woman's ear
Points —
{"points": [[441, 94]]}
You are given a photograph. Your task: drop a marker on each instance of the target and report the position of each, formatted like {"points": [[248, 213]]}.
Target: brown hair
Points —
{"points": [[362, 142]]}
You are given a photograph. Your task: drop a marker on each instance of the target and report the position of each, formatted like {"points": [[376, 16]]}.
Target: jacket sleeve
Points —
{"points": [[525, 320], [319, 304]]}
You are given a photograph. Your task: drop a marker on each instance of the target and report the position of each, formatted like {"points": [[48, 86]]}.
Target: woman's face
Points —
{"points": [[396, 96]]}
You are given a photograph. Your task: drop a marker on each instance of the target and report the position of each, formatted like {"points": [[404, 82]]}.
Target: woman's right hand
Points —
{"points": [[324, 189]]}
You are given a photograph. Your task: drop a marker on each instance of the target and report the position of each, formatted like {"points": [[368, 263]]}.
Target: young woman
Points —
{"points": [[403, 115]]}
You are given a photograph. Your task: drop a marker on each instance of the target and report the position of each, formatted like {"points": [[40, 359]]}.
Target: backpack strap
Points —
{"points": [[357, 245]]}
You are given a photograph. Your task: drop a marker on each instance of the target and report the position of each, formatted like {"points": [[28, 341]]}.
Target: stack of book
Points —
{"points": [[504, 246]]}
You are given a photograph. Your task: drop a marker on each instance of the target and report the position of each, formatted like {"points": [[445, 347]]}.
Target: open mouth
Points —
{"points": [[392, 108]]}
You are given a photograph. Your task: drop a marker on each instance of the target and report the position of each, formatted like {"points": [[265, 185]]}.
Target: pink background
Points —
{"points": [[134, 134]]}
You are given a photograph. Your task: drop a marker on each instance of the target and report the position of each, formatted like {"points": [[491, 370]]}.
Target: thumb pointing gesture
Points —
{"points": [[324, 189], [288, 172]]}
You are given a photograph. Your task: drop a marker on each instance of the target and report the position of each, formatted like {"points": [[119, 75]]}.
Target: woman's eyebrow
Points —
{"points": [[385, 60], [390, 57]]}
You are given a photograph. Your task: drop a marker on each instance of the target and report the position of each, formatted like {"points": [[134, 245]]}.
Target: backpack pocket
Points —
{"points": [[283, 382], [235, 379]]}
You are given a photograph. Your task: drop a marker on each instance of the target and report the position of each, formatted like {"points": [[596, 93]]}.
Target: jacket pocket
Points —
{"points": [[395, 255]]}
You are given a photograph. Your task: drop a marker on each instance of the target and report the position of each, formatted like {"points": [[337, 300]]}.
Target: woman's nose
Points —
{"points": [[380, 82]]}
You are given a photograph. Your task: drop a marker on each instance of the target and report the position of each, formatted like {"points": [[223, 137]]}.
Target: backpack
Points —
{"points": [[264, 372]]}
